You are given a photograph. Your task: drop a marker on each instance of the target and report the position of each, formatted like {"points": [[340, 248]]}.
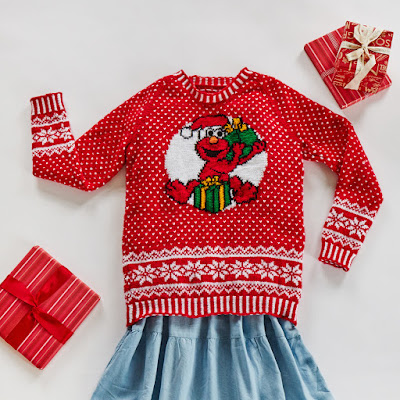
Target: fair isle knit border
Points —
{"points": [[45, 120], [202, 288], [209, 251], [354, 208], [341, 239], [213, 305], [54, 149]]}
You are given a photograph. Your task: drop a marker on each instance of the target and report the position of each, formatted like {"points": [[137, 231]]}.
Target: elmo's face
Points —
{"points": [[211, 144]]}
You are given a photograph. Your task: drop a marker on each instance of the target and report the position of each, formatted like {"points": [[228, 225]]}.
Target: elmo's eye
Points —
{"points": [[209, 132], [220, 133]]}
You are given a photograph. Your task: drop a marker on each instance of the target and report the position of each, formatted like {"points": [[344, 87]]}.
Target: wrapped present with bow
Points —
{"points": [[362, 60], [212, 195], [239, 132], [322, 52], [41, 305]]}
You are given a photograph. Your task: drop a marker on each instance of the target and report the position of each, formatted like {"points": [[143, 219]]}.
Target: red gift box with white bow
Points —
{"points": [[362, 60], [41, 305]]}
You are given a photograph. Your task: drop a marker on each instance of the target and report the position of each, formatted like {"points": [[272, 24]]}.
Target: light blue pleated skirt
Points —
{"points": [[220, 357]]}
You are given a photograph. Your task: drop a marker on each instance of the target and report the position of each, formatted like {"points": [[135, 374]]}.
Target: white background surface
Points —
{"points": [[99, 54]]}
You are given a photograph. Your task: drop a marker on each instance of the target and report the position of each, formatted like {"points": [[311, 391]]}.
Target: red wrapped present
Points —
{"points": [[363, 57], [322, 53], [41, 305]]}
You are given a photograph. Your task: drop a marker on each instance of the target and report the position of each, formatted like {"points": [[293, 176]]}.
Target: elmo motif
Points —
{"points": [[214, 163]]}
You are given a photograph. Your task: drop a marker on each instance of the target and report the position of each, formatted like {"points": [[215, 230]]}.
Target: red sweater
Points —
{"points": [[214, 189]]}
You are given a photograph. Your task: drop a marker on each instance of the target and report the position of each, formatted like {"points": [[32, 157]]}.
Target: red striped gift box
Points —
{"points": [[322, 53], [41, 305]]}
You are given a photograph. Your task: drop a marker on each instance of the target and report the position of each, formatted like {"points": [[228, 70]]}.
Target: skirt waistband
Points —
{"points": [[227, 326]]}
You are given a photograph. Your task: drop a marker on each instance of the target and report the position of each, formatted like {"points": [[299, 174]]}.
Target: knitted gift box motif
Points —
{"points": [[214, 200]]}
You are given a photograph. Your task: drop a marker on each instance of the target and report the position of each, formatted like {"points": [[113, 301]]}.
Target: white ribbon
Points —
{"points": [[364, 35]]}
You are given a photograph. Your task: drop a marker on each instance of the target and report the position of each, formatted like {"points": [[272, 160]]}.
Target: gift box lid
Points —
{"points": [[41, 305], [322, 52]]}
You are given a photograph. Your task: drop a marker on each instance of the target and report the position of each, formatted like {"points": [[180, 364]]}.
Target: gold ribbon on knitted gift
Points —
{"points": [[237, 124], [364, 35], [207, 184]]}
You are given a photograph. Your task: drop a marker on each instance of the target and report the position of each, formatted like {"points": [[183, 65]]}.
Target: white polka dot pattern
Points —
{"points": [[330, 138], [183, 260]]}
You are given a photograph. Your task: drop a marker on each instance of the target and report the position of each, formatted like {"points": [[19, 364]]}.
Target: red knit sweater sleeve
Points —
{"points": [[330, 138], [90, 161]]}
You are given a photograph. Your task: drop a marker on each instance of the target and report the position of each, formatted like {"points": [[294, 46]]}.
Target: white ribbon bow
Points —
{"points": [[364, 35]]}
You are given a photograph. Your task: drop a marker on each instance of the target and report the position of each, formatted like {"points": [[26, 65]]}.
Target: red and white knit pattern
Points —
{"points": [[228, 85], [214, 213], [344, 231]]}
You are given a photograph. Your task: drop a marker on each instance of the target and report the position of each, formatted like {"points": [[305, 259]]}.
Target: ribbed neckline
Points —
{"points": [[230, 85]]}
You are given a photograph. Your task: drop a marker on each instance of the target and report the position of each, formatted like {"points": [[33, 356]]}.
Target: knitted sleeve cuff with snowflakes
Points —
{"points": [[344, 232], [51, 132], [86, 163]]}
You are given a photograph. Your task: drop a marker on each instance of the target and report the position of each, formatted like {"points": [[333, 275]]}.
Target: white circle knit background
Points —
{"points": [[98, 54]]}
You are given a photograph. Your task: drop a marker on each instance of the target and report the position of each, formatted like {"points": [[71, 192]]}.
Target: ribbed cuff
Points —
{"points": [[337, 256], [47, 103]]}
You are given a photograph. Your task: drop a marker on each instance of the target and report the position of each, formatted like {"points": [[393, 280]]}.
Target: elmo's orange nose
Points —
{"points": [[213, 140]]}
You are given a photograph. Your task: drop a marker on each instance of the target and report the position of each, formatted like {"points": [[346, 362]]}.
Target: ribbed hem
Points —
{"points": [[337, 256], [47, 103], [195, 307]]}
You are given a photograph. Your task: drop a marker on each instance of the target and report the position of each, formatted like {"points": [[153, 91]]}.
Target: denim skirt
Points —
{"points": [[219, 357]]}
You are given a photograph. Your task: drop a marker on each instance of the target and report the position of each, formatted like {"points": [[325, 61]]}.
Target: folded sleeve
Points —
{"points": [[93, 159], [327, 137]]}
